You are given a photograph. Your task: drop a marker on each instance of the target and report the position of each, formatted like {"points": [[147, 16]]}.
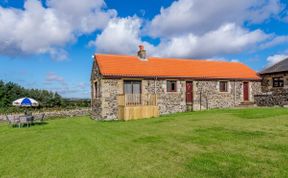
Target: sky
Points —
{"points": [[49, 44]]}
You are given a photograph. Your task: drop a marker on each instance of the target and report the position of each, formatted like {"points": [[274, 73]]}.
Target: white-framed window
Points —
{"points": [[223, 86]]}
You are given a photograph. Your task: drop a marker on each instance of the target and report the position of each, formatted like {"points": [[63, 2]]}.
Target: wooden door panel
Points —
{"points": [[246, 91], [189, 92]]}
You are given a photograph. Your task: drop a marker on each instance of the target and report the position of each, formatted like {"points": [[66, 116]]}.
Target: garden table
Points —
{"points": [[26, 120]]}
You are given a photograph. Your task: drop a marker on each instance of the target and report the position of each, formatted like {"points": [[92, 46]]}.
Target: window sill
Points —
{"points": [[172, 92], [224, 92]]}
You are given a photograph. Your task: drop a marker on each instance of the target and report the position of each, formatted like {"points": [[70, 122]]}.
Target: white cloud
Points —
{"points": [[201, 16], [121, 36], [274, 41], [188, 28], [85, 16], [54, 78], [222, 59], [228, 39], [56, 83], [72, 90], [39, 30], [35, 30], [275, 59]]}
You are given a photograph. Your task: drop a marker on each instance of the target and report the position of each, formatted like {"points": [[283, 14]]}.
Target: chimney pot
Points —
{"points": [[142, 53], [141, 47]]}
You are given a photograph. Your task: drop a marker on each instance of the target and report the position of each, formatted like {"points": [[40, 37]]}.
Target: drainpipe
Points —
{"points": [[234, 93], [155, 90], [200, 99], [155, 85]]}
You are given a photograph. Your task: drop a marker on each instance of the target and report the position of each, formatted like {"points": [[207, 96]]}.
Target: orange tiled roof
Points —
{"points": [[131, 66]]}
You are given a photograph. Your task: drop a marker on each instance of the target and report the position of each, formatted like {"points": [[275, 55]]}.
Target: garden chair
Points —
{"points": [[29, 120], [12, 120], [29, 113], [42, 117], [23, 121]]}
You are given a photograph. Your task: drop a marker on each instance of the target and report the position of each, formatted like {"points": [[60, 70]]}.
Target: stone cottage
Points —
{"points": [[274, 85], [130, 87]]}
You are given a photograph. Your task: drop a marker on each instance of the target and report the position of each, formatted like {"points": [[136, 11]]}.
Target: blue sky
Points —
{"points": [[48, 44]]}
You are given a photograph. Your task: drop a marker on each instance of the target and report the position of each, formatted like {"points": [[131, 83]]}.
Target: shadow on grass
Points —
{"points": [[35, 124], [148, 139], [256, 113], [207, 136], [220, 164]]}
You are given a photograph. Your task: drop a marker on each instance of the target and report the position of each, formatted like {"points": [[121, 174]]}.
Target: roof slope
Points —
{"points": [[281, 66], [131, 66]]}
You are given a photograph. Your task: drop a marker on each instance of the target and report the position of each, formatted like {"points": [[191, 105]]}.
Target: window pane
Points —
{"points": [[171, 86], [223, 86], [128, 88], [278, 82], [132, 87], [136, 88]]}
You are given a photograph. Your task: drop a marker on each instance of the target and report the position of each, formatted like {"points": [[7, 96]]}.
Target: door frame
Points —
{"points": [[192, 92], [248, 91]]}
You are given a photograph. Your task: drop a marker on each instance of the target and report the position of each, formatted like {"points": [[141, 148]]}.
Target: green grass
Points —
{"points": [[217, 143]]}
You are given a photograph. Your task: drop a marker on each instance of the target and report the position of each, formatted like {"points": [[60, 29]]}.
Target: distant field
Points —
{"points": [[217, 143]]}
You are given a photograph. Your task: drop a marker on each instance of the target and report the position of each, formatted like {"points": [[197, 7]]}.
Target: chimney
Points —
{"points": [[142, 53]]}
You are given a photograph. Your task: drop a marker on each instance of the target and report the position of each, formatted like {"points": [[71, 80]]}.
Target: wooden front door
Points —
{"points": [[246, 91], [189, 92]]}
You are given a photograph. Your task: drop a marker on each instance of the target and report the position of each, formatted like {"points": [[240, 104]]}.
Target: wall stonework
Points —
{"points": [[106, 105], [275, 98], [111, 88], [256, 90], [272, 96], [55, 114], [267, 82], [206, 95], [168, 102], [96, 108]]}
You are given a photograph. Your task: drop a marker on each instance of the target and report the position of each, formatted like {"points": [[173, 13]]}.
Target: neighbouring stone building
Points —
{"points": [[122, 86], [274, 85]]}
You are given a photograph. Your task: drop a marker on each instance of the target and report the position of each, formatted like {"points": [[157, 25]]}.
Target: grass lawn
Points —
{"points": [[217, 143]]}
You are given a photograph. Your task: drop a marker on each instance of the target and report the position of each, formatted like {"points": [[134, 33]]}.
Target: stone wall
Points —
{"points": [[274, 98], [111, 88], [55, 114], [96, 108], [211, 97], [105, 106], [267, 82], [168, 102]]}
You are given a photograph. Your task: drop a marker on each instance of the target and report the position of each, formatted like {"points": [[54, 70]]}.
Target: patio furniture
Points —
{"points": [[12, 120], [25, 102], [42, 117], [23, 121], [29, 120], [28, 113]]}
